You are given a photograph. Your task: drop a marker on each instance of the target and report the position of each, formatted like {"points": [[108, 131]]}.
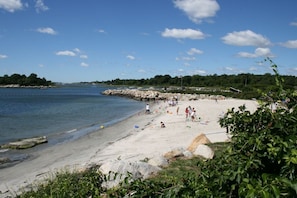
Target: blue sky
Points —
{"points": [[89, 40]]}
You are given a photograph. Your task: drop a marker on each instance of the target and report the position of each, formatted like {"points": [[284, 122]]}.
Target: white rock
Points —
{"points": [[118, 170], [159, 161], [204, 151], [176, 152], [188, 154]]}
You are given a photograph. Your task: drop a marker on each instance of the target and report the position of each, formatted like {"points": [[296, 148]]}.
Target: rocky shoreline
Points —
{"points": [[146, 95], [25, 143]]}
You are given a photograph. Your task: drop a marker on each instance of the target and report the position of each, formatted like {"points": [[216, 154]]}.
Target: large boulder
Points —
{"points": [[159, 161], [118, 170], [204, 151], [175, 153], [4, 160], [200, 139]]}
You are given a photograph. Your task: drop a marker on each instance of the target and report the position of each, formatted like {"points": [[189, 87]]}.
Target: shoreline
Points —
{"points": [[136, 138], [21, 150], [70, 155]]}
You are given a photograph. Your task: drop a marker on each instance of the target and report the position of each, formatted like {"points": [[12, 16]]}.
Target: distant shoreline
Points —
{"points": [[30, 86]]}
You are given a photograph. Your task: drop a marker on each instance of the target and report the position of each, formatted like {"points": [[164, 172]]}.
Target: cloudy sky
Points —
{"points": [[88, 40]]}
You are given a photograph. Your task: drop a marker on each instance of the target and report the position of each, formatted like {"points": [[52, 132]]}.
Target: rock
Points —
{"points": [[159, 161], [188, 154], [119, 170], [200, 139], [4, 160], [154, 95], [25, 143], [204, 151], [177, 152]]}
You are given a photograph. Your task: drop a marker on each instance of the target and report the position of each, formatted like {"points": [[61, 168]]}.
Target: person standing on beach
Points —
{"points": [[147, 108], [187, 112], [190, 110], [193, 114]]}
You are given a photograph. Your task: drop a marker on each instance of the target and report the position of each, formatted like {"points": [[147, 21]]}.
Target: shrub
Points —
{"points": [[263, 155]]}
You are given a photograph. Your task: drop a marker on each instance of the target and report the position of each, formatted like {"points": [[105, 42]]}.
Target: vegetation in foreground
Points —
{"points": [[260, 161]]}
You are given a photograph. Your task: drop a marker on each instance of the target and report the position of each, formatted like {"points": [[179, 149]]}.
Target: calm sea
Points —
{"points": [[62, 114]]}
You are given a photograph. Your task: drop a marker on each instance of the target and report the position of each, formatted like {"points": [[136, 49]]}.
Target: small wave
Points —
{"points": [[71, 131], [3, 150]]}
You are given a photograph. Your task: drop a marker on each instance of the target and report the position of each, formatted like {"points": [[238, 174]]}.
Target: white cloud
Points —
{"points": [[65, 53], [83, 56], [77, 50], [39, 6], [74, 52], [2, 56], [11, 5], [141, 71], [259, 52], [185, 58], [199, 72], [245, 38], [290, 44], [47, 30], [83, 64], [197, 10], [293, 23], [101, 31], [194, 51], [183, 33], [130, 57], [253, 68], [230, 69]]}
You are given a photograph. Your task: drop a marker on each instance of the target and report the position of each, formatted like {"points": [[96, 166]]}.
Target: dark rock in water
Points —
{"points": [[4, 160], [25, 143]]}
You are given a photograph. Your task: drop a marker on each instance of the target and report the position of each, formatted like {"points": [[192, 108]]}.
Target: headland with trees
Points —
{"points": [[18, 80], [245, 85]]}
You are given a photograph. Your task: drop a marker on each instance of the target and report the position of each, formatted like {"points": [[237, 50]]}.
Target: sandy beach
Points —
{"points": [[136, 138]]}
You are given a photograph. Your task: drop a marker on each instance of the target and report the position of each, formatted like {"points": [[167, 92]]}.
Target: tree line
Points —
{"points": [[23, 80], [238, 81], [246, 83]]}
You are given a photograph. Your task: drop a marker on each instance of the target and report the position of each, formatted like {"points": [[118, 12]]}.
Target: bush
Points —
{"points": [[65, 184], [263, 156]]}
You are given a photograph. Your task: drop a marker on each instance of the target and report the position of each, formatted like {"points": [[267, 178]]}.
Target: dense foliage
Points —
{"points": [[66, 184], [23, 80], [240, 81], [260, 160]]}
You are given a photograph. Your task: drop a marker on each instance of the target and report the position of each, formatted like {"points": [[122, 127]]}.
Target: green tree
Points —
{"points": [[22, 80]]}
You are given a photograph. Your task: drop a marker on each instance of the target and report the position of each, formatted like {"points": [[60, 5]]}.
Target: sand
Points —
{"points": [[136, 138]]}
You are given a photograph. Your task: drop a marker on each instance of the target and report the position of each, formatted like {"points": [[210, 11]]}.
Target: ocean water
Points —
{"points": [[62, 114]]}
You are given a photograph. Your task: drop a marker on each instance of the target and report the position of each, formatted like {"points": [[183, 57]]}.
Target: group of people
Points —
{"points": [[190, 113], [173, 101]]}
